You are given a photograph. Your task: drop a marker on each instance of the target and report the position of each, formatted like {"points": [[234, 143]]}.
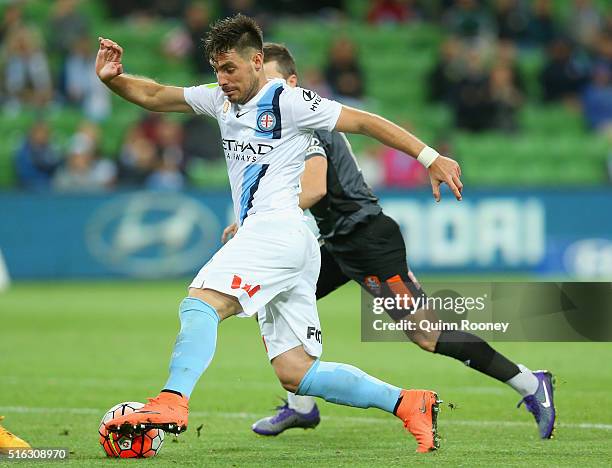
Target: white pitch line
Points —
{"points": [[354, 419], [97, 382]]}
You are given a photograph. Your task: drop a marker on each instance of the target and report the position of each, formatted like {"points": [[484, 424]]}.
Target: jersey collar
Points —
{"points": [[255, 99]]}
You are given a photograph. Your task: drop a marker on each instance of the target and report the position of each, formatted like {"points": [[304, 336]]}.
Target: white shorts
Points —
{"points": [[271, 266]]}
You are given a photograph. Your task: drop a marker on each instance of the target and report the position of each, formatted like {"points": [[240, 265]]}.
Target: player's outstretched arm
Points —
{"points": [[441, 169], [141, 91]]}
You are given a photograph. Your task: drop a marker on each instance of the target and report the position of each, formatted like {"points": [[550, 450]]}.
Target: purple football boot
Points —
{"points": [[541, 404], [286, 418]]}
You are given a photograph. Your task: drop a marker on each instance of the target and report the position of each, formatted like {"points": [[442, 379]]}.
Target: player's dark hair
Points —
{"points": [[236, 32], [274, 52]]}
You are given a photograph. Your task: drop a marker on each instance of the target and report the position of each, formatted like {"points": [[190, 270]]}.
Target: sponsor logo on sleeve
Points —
{"points": [[311, 96], [308, 95]]}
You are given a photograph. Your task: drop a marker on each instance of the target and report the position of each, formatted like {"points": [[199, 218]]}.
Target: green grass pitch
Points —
{"points": [[69, 351]]}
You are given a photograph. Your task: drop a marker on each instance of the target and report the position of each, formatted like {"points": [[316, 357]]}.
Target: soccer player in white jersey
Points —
{"points": [[271, 266]]}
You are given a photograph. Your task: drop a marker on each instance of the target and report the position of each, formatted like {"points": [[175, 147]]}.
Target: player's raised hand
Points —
{"points": [[229, 232], [445, 170], [108, 60]]}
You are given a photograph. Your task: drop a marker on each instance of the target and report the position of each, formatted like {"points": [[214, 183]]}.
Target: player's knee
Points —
{"points": [[224, 305], [291, 385], [289, 379], [427, 344], [424, 337], [291, 367], [424, 340]]}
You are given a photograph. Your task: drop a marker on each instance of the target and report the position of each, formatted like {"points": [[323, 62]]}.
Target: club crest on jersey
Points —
{"points": [[373, 284], [266, 121]]}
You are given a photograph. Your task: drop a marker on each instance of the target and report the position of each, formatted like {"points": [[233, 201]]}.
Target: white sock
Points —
{"points": [[302, 404], [524, 382]]}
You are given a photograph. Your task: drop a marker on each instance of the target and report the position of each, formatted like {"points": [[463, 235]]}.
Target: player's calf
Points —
{"points": [[291, 366], [346, 385], [423, 337]]}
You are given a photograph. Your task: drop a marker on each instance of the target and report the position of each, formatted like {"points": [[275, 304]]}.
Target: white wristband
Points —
{"points": [[427, 156]]}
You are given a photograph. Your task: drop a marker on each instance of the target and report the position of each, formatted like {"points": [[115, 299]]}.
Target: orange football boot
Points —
{"points": [[419, 411], [8, 440], [168, 411]]}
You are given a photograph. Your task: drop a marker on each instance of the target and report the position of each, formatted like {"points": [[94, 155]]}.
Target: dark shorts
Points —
{"points": [[374, 255]]}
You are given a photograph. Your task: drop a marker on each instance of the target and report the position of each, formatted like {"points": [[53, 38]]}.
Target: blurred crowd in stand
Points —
{"points": [[477, 74]]}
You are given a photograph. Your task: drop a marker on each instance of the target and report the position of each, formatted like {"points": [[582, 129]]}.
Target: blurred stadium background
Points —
{"points": [[520, 92]]}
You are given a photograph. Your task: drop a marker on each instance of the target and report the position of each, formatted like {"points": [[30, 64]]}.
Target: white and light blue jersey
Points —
{"points": [[265, 141]]}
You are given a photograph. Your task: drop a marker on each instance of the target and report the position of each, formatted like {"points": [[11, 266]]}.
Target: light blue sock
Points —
{"points": [[346, 385], [195, 345]]}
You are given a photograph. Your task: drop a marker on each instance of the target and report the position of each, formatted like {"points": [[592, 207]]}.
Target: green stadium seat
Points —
{"points": [[37, 11], [145, 37], [7, 171], [96, 12], [550, 120], [357, 9], [532, 159], [21, 121], [208, 175], [530, 64], [65, 121]]}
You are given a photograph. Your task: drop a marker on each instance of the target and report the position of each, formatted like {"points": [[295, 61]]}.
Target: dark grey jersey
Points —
{"points": [[349, 200]]}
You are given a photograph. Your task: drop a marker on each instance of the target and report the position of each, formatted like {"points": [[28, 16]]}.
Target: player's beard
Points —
{"points": [[253, 89]]}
